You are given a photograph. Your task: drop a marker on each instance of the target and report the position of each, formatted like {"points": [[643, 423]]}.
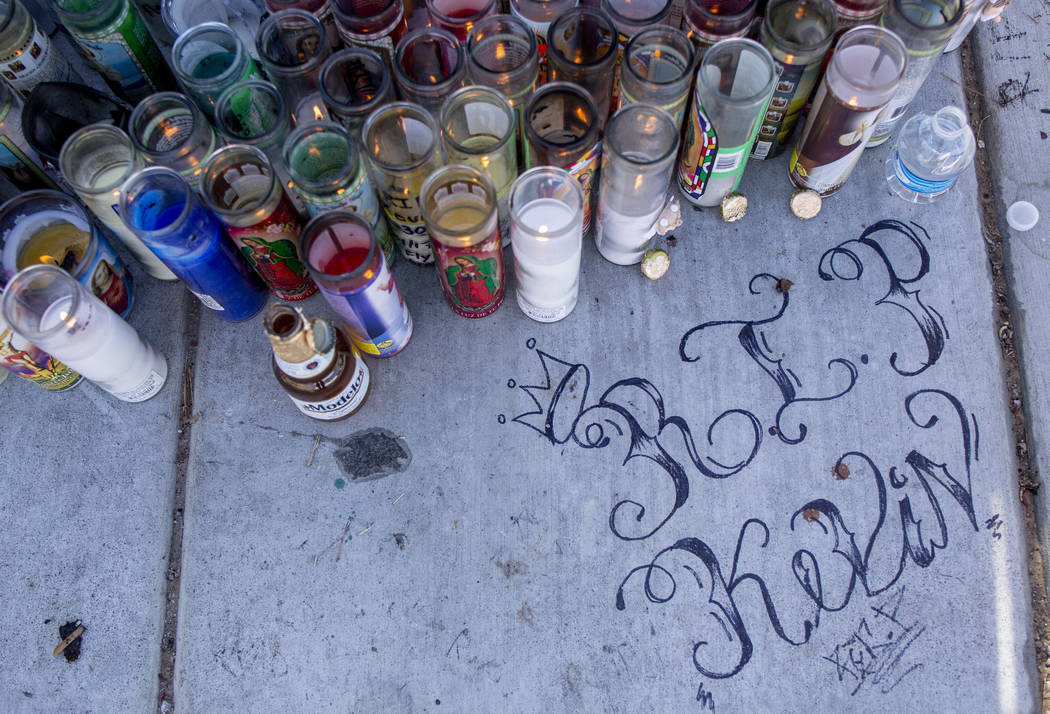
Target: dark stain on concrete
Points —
{"points": [[371, 454]]}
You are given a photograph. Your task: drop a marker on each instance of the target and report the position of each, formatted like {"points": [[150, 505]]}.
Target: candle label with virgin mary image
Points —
{"points": [[472, 276], [270, 247], [583, 170], [30, 362]]}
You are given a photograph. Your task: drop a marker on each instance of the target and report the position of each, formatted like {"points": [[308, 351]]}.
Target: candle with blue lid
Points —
{"points": [[159, 205]]}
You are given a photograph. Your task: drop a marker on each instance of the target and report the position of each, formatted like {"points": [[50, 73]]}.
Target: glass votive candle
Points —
{"points": [[657, 69], [546, 214], [241, 187], [53, 311], [347, 263], [321, 9], [242, 16], [354, 83], [170, 130], [292, 46], [403, 145], [479, 126], [163, 209], [208, 59], [538, 15], [328, 174], [459, 16], [561, 129], [50, 227], [582, 48], [638, 156], [96, 160], [708, 21], [459, 207], [376, 25], [633, 16], [429, 64]]}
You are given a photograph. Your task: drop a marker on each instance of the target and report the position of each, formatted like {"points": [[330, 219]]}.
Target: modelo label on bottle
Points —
{"points": [[785, 106], [30, 362], [148, 388], [472, 276], [126, 54], [583, 170], [309, 369], [270, 248], [34, 62], [343, 403]]}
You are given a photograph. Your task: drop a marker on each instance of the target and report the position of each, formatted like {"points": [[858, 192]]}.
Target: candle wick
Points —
{"points": [[335, 240]]}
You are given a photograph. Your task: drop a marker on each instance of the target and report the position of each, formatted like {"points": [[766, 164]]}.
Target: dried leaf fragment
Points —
{"points": [[783, 285], [811, 515], [841, 471]]}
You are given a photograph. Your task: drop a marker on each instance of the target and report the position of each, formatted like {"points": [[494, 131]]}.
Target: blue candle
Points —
{"points": [[167, 215]]}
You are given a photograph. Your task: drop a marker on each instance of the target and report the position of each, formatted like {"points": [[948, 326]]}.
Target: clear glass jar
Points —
{"points": [[403, 145], [292, 46], [354, 83], [208, 59], [239, 184], [857, 12], [376, 25], [459, 16], [321, 9], [429, 65], [539, 14], [546, 214], [582, 48], [708, 21], [633, 16], [479, 127], [242, 16], [96, 160], [658, 67], [639, 152], [459, 208], [27, 56], [170, 130]]}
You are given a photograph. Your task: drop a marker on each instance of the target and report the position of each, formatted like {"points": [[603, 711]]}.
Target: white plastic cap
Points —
{"points": [[1022, 216]]}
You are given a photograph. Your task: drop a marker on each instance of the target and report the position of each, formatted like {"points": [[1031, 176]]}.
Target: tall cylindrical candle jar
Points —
{"points": [[242, 16], [403, 145], [23, 358], [538, 15], [459, 16], [347, 263], [657, 69], [798, 33], [631, 17], [292, 46], [163, 209], [502, 54], [857, 12], [27, 56], [354, 83], [733, 88], [582, 48], [925, 26], [208, 59], [96, 161], [479, 126], [546, 214], [241, 187], [376, 25], [459, 207], [321, 9], [429, 65], [328, 173], [639, 152], [19, 163], [116, 41], [47, 306], [861, 78], [50, 227], [708, 21], [561, 128], [168, 129]]}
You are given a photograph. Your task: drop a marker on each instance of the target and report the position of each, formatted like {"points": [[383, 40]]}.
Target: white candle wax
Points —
{"points": [[547, 269], [104, 348], [623, 239]]}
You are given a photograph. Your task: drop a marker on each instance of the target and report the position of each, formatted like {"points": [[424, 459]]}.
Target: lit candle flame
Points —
{"points": [[319, 114]]}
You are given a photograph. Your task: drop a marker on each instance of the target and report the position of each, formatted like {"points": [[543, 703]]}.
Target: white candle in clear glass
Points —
{"points": [[53, 311], [623, 239], [547, 226]]}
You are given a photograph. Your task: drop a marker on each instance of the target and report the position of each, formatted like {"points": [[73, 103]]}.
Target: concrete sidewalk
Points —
{"points": [[696, 493]]}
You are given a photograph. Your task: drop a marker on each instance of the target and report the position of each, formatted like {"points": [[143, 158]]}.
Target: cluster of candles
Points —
{"points": [[445, 133]]}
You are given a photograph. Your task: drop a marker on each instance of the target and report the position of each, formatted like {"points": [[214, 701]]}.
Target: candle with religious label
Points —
{"points": [[798, 34], [316, 364], [27, 56], [708, 21], [163, 209], [733, 88], [116, 41], [347, 263], [657, 69], [321, 9], [241, 187], [51, 309], [640, 149], [354, 83], [459, 207], [19, 162], [376, 25], [242, 16], [546, 214], [292, 46], [861, 78], [631, 17], [538, 15], [208, 59], [170, 130], [582, 48], [459, 16], [857, 12], [479, 126], [96, 160], [429, 65], [23, 358], [403, 145], [50, 227], [561, 127]]}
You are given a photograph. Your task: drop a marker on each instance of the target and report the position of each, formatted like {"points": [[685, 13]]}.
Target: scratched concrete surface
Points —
{"points": [[86, 491], [1013, 77], [824, 517]]}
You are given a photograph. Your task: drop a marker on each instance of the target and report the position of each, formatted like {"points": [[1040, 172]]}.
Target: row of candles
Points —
{"points": [[190, 208]]}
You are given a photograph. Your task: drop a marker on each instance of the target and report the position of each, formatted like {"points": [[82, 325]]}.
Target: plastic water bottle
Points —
{"points": [[932, 150]]}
